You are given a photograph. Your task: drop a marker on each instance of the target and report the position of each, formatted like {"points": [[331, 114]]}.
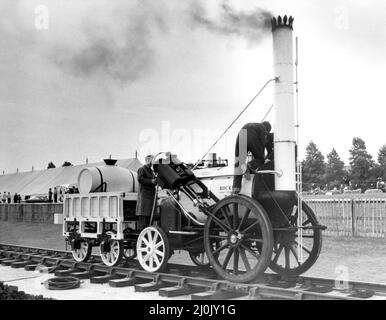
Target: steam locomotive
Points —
{"points": [[265, 225]]}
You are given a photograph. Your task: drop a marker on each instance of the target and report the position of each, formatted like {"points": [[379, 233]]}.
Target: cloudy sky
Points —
{"points": [[96, 77]]}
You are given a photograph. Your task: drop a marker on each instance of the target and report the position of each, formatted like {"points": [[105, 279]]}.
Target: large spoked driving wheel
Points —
{"points": [[153, 250], [83, 253], [290, 257], [238, 239], [111, 252]]}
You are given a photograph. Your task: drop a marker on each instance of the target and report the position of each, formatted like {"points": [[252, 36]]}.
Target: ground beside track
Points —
{"points": [[363, 259], [32, 283]]}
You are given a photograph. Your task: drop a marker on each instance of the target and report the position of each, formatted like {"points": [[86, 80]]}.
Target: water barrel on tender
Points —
{"points": [[109, 178]]}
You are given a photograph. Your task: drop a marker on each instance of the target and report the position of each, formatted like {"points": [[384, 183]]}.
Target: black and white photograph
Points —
{"points": [[189, 154]]}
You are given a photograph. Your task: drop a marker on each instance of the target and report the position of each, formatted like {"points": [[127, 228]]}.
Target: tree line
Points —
{"points": [[363, 171]]}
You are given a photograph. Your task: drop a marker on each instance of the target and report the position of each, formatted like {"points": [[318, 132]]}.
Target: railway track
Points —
{"points": [[181, 280]]}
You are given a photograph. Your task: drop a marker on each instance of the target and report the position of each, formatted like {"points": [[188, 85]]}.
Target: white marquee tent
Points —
{"points": [[38, 182]]}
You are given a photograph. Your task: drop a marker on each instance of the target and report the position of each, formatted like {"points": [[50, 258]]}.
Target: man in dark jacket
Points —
{"points": [[254, 138], [146, 194]]}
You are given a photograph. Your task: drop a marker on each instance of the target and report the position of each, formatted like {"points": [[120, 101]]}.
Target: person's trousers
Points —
{"points": [[246, 142]]}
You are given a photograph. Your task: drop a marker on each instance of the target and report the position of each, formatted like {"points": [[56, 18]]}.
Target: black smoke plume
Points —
{"points": [[252, 25], [127, 52], [124, 53]]}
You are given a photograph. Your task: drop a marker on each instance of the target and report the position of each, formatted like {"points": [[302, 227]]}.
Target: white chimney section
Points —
{"points": [[284, 110]]}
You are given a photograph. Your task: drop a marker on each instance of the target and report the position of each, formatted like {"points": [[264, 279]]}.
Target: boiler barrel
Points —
{"points": [[107, 178]]}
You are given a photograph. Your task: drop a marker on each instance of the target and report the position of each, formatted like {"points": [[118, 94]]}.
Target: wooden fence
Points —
{"points": [[344, 217]]}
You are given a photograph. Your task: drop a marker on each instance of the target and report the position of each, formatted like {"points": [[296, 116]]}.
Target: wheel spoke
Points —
{"points": [[219, 222], [295, 254], [227, 258], [235, 207], [255, 239], [149, 236], [218, 236], [278, 252], [250, 251], [244, 218], [225, 245], [147, 243], [245, 259], [151, 261], [249, 227], [146, 257], [114, 256], [236, 261], [225, 213], [304, 247], [156, 235], [287, 257], [159, 244], [160, 253], [157, 261]]}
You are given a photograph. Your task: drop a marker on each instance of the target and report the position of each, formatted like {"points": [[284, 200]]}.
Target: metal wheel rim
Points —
{"points": [[81, 253], [151, 249], [112, 257]]}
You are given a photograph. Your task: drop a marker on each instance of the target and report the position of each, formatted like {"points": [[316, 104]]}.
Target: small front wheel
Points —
{"points": [[153, 250]]}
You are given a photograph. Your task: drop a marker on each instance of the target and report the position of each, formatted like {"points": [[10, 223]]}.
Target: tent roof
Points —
{"points": [[38, 182]]}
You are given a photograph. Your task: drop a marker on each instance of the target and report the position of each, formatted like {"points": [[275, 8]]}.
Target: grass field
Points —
{"points": [[363, 259]]}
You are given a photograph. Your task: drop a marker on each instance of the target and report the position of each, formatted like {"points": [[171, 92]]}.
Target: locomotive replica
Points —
{"points": [[241, 235]]}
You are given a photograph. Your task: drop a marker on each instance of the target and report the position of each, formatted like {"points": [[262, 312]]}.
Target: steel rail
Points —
{"points": [[179, 280]]}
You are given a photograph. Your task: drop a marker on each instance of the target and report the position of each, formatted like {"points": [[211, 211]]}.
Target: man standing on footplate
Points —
{"points": [[254, 138], [146, 194]]}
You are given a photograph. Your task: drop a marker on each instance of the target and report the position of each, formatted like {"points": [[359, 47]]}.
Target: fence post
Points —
{"points": [[353, 218]]}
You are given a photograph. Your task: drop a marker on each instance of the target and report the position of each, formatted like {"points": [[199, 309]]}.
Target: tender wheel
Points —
{"points": [[287, 246], [153, 249], [83, 253], [111, 252], [238, 239]]}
